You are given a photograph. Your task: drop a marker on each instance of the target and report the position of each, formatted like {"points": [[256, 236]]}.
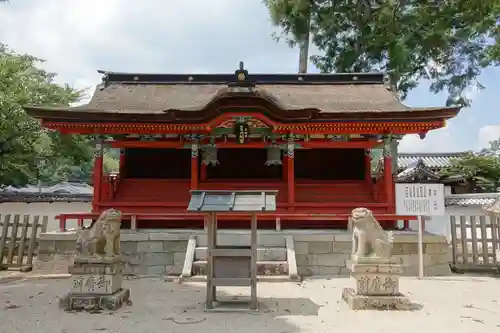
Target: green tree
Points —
{"points": [[294, 17], [447, 42], [481, 171], [24, 145]]}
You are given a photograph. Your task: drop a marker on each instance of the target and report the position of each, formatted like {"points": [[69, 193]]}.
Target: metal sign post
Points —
{"points": [[420, 200]]}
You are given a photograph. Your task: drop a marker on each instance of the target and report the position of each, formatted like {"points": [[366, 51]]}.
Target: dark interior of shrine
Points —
{"points": [[247, 163], [157, 163]]}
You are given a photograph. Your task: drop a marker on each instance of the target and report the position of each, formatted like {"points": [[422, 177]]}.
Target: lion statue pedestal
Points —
{"points": [[97, 274], [376, 274]]}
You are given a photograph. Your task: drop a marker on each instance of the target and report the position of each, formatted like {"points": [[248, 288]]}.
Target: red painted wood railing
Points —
{"points": [[80, 217]]}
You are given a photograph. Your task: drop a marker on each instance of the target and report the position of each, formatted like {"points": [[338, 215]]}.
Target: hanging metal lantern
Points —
{"points": [[273, 155], [210, 155]]}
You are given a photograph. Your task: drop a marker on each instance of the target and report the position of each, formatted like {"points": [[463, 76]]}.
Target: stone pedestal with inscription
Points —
{"points": [[96, 285], [377, 285]]}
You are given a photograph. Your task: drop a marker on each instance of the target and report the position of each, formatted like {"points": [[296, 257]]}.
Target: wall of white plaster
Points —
{"points": [[45, 208]]}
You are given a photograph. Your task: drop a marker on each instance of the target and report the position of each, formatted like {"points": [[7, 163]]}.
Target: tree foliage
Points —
{"points": [[481, 171], [448, 42], [24, 145]]}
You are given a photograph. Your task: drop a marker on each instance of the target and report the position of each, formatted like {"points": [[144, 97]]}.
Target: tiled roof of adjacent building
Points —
{"points": [[472, 199], [61, 192], [431, 160], [417, 171], [493, 207]]}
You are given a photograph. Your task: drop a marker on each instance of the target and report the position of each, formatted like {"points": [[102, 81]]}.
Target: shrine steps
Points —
{"points": [[276, 263], [275, 260]]}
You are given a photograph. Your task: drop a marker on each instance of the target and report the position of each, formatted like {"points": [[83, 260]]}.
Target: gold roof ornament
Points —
{"points": [[241, 73]]}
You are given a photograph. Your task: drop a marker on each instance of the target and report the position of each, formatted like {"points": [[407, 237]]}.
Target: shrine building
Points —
{"points": [[308, 136]]}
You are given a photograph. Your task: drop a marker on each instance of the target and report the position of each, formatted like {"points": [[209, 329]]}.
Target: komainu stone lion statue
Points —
{"points": [[102, 238], [368, 238]]}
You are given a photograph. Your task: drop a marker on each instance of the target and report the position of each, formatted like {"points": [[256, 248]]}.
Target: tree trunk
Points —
{"points": [[304, 45], [304, 54]]}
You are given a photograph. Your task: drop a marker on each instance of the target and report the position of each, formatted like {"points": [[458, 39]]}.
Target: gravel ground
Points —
{"points": [[454, 304]]}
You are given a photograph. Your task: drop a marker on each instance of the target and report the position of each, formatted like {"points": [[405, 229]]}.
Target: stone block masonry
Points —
{"points": [[151, 253], [326, 254], [318, 252]]}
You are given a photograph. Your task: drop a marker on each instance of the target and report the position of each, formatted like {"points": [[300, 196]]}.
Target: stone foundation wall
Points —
{"points": [[317, 252], [327, 254], [153, 253]]}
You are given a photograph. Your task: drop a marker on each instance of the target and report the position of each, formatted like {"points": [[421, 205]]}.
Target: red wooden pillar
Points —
{"points": [[368, 166], [388, 178], [290, 172], [122, 162], [194, 167], [284, 167], [203, 172], [97, 175]]}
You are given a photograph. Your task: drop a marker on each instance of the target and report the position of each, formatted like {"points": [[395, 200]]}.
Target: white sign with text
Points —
{"points": [[420, 199]]}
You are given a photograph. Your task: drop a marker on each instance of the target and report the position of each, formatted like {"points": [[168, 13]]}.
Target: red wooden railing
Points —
{"points": [[278, 217], [163, 199]]}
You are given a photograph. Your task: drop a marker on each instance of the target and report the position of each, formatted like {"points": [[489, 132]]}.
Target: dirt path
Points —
{"points": [[453, 304]]}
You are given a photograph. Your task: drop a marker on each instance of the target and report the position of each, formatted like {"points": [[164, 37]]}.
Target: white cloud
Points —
{"points": [[78, 37], [486, 134], [440, 140], [61, 32]]}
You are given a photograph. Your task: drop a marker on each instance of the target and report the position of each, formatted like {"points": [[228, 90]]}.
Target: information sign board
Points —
{"points": [[420, 199]]}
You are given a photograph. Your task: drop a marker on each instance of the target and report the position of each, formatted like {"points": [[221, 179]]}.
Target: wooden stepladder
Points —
{"points": [[231, 266], [18, 240]]}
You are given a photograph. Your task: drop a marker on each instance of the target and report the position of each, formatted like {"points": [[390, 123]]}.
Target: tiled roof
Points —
{"points": [[493, 207], [62, 192], [431, 160], [417, 172], [60, 188], [48, 197], [472, 199]]}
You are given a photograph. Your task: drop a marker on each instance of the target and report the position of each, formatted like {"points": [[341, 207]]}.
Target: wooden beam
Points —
{"points": [[340, 144], [246, 216], [361, 144], [325, 127], [144, 144]]}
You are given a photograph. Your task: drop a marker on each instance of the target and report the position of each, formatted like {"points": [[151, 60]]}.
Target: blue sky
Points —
{"points": [[78, 37]]}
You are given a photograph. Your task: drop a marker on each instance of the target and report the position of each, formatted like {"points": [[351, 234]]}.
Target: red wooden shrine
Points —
{"points": [[309, 136]]}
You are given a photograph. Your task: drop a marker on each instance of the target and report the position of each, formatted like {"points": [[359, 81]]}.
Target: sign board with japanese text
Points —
{"points": [[420, 199]]}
